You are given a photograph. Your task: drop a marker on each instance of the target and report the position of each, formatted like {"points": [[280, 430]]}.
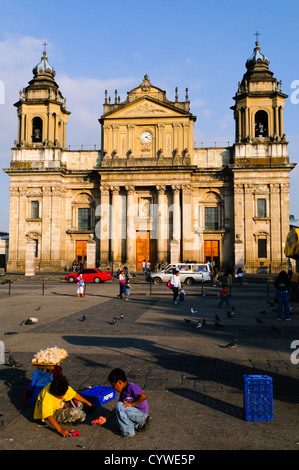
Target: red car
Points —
{"points": [[90, 275]]}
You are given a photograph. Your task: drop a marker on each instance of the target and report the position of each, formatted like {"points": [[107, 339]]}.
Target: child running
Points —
{"points": [[223, 296]]}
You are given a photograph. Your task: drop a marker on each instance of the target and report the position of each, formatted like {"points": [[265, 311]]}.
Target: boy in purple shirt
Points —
{"points": [[132, 408]]}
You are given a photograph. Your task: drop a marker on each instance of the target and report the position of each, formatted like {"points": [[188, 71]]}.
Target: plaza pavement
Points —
{"points": [[194, 383]]}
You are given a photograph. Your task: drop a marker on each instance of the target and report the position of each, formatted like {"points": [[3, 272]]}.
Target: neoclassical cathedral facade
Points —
{"points": [[149, 193]]}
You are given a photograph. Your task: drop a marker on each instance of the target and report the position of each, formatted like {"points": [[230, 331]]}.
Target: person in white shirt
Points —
{"points": [[176, 285]]}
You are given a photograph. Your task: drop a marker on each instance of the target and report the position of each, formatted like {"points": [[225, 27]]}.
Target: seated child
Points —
{"points": [[132, 408], [52, 406]]}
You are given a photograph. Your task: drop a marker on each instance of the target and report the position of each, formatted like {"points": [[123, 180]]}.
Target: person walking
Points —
{"points": [[148, 267], [175, 281], [143, 267], [229, 275], [223, 296], [80, 286], [282, 284], [240, 276], [122, 280]]}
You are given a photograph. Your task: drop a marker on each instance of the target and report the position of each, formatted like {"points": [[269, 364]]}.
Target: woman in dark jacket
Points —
{"points": [[282, 284]]}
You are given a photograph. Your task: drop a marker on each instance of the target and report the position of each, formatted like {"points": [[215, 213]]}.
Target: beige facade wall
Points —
{"points": [[149, 187]]}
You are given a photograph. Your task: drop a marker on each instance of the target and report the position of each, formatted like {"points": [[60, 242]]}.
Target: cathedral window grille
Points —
{"points": [[262, 248], [84, 219], [261, 208], [211, 218], [34, 209]]}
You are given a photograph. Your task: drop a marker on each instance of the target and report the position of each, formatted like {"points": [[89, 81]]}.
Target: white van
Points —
{"points": [[189, 273]]}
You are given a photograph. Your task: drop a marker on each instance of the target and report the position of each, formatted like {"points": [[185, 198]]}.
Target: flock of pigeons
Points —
{"points": [[199, 324]]}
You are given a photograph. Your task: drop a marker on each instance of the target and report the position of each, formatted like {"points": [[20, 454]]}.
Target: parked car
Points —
{"points": [[90, 275], [189, 273]]}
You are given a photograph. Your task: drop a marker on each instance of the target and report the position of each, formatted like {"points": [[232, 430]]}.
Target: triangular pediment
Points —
{"points": [[146, 107]]}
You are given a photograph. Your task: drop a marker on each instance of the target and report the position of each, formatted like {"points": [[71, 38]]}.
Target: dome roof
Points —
{"points": [[257, 58], [43, 67]]}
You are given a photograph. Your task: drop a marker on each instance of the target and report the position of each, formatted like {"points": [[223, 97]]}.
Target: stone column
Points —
{"points": [[176, 233], [46, 235], [276, 121], [239, 224], [285, 223], [249, 242], [115, 225], [187, 239], [91, 252], [275, 226], [281, 120], [162, 224], [176, 225], [104, 226], [14, 219], [30, 257], [131, 230]]}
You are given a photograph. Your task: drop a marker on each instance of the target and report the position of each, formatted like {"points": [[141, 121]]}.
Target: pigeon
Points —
{"points": [[231, 345], [193, 311], [121, 316], [219, 325], [258, 320], [114, 320], [203, 321], [12, 362], [229, 314], [188, 321], [275, 329], [84, 318], [38, 308], [199, 325], [217, 318], [29, 321]]}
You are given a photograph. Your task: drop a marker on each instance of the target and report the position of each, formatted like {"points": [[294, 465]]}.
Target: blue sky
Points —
{"points": [[99, 44]]}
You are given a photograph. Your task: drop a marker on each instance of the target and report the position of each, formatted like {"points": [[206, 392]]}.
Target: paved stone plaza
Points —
{"points": [[193, 382]]}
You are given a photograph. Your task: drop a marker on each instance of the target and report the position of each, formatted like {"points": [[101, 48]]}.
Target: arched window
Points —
{"points": [[261, 124], [37, 129]]}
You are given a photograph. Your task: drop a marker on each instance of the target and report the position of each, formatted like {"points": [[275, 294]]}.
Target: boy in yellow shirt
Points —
{"points": [[51, 405]]}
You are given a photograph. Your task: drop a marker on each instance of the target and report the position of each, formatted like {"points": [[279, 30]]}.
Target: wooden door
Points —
{"points": [[211, 251], [145, 249], [142, 248], [81, 250]]}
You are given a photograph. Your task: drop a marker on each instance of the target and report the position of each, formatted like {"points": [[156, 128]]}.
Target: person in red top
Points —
{"points": [[223, 296]]}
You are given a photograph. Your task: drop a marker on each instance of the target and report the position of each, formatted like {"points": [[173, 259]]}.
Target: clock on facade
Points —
{"points": [[146, 137]]}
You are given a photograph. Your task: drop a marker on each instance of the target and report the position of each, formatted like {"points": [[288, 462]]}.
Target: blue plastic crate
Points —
{"points": [[99, 395], [39, 380], [258, 397]]}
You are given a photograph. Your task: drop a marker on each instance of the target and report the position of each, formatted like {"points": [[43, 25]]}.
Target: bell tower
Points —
{"points": [[259, 103], [260, 169], [41, 109]]}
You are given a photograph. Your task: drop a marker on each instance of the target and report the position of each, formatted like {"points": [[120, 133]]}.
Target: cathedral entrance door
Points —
{"points": [[81, 251], [211, 251], [145, 249]]}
